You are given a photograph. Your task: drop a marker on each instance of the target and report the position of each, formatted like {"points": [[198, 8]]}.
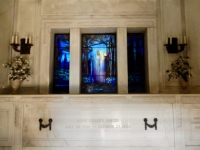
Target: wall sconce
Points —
{"points": [[25, 44], [172, 45]]}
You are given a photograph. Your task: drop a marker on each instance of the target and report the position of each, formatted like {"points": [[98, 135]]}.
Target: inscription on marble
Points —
{"points": [[195, 124], [98, 124]]}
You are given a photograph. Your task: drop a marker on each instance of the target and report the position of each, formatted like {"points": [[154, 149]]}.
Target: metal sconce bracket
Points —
{"points": [[151, 126], [174, 47], [45, 126], [24, 47]]}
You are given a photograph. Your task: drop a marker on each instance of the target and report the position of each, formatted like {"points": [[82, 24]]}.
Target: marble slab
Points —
{"points": [[100, 148], [86, 124], [192, 124], [6, 124]]}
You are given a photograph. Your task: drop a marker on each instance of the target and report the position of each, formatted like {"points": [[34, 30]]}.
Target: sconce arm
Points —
{"points": [[14, 46], [182, 46]]}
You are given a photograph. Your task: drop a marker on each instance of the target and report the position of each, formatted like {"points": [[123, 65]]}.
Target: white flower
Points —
{"points": [[19, 69]]}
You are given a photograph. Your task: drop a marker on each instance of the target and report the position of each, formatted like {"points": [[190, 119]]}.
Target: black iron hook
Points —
{"points": [[151, 126], [45, 126]]}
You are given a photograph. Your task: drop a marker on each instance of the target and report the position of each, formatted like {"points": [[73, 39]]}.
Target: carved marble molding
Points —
{"points": [[190, 99], [178, 115], [98, 99], [153, 99], [7, 99], [178, 99], [17, 116], [111, 22], [57, 24], [99, 23], [141, 23], [43, 99]]}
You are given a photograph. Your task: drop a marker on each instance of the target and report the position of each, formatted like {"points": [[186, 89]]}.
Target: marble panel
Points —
{"points": [[190, 99], [6, 124], [192, 124], [100, 148], [98, 7], [5, 148], [78, 124], [192, 147]]}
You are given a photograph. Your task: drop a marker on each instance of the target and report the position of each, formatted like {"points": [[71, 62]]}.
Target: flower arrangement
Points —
{"points": [[180, 68], [19, 69]]}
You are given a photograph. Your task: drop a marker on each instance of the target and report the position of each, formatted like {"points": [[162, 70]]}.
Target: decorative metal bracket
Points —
{"points": [[25, 47], [174, 47], [45, 126], [151, 126]]}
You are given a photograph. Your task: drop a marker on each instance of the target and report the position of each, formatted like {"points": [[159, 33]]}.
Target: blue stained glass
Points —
{"points": [[136, 63], [61, 64], [98, 63]]}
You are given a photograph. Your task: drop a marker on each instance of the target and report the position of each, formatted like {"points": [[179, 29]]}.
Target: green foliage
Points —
{"points": [[180, 68]]}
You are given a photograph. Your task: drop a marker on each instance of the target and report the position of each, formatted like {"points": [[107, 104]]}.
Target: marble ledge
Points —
{"points": [[21, 91], [104, 98]]}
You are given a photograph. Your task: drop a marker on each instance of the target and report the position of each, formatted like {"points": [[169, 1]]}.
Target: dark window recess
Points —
{"points": [[136, 63], [61, 64], [98, 58]]}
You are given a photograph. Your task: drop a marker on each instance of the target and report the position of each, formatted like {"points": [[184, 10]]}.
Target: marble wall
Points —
{"points": [[6, 25], [41, 18], [192, 9]]}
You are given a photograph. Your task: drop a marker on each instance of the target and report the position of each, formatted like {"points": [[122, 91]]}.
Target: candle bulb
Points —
{"points": [[29, 39], [170, 42], [26, 39], [184, 40], [13, 38], [16, 39]]}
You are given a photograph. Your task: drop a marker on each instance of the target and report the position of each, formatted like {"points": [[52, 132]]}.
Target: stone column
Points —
{"points": [[151, 64], [17, 137], [75, 58], [122, 71], [178, 124]]}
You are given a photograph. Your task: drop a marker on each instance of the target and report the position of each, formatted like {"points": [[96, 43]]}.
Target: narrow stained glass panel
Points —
{"points": [[136, 63], [61, 64], [98, 63]]}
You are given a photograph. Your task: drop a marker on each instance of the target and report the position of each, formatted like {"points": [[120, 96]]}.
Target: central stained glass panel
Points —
{"points": [[98, 63]]}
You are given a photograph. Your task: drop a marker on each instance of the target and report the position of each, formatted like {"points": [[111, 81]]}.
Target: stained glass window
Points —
{"points": [[61, 63], [98, 55], [136, 63]]}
